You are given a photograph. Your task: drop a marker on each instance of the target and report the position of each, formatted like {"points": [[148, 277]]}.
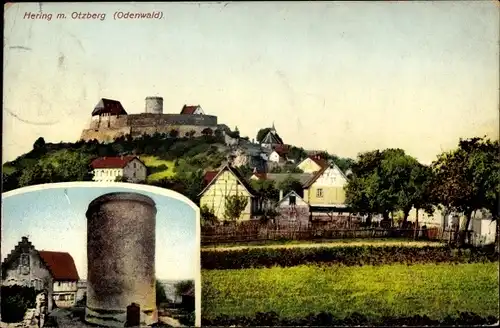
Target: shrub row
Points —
{"points": [[347, 255], [356, 319]]}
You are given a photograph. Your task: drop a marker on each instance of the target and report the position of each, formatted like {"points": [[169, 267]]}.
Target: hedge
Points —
{"points": [[356, 319], [348, 255]]}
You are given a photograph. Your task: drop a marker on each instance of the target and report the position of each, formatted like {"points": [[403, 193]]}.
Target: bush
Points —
{"points": [[355, 319], [15, 301], [348, 255]]}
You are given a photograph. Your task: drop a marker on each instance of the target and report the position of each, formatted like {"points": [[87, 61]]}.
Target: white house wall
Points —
{"points": [[135, 171], [331, 177]]}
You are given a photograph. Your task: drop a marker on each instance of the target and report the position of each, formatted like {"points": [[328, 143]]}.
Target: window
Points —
{"points": [[135, 165], [319, 193], [59, 284], [292, 200]]}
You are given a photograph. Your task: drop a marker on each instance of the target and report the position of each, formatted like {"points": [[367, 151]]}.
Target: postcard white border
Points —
{"points": [[139, 187]]}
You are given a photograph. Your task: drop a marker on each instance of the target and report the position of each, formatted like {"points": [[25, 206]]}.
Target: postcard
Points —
{"points": [[326, 163]]}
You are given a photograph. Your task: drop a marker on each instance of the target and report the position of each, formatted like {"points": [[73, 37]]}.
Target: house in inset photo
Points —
{"points": [[125, 168]]}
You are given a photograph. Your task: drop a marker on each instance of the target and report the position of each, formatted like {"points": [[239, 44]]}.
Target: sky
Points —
{"points": [[345, 77], [54, 222]]}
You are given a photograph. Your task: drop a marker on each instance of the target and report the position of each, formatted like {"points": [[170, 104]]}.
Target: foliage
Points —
{"points": [[207, 216], [207, 132], [161, 295], [15, 301], [60, 166], [468, 178], [378, 293], [266, 189], [174, 133], [297, 154], [235, 205], [183, 286], [388, 180], [121, 179], [289, 184], [287, 168], [348, 256]]}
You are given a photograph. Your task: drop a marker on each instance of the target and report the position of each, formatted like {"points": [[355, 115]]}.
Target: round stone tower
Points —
{"points": [[154, 105], [121, 259]]}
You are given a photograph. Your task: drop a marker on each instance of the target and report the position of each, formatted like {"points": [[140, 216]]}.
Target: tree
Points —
{"points": [[39, 146], [207, 132], [183, 286], [207, 216], [262, 133], [384, 181], [161, 295], [173, 133], [467, 179], [267, 192], [235, 205], [291, 184], [121, 179]]}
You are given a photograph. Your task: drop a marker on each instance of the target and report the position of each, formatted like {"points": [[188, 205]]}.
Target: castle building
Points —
{"points": [[109, 121], [107, 169]]}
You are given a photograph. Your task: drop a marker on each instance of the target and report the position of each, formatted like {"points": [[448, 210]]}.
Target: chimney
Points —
{"points": [[281, 194]]}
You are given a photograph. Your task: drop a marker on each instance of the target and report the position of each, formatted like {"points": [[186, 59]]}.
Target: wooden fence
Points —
{"points": [[247, 232]]}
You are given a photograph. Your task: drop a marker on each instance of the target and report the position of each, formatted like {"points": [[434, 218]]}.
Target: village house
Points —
{"points": [[271, 139], [107, 169], [324, 192], [53, 272], [226, 182], [292, 208], [312, 164]]}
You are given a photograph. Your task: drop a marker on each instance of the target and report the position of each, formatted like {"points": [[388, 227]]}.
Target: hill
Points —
{"points": [[175, 163]]}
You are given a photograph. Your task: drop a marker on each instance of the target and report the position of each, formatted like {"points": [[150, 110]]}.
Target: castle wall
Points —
{"points": [[108, 128], [108, 122], [150, 120], [106, 135]]}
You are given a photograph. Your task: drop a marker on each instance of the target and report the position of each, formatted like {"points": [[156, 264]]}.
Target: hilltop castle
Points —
{"points": [[110, 121]]}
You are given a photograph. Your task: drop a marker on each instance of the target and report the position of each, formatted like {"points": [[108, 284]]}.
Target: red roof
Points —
{"points": [[189, 110], [209, 176], [60, 265], [320, 161], [111, 162]]}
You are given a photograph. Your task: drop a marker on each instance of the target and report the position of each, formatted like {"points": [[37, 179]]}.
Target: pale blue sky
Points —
{"points": [[343, 76], [55, 224]]}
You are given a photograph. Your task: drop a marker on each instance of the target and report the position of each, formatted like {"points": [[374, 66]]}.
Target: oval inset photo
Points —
{"points": [[106, 254]]}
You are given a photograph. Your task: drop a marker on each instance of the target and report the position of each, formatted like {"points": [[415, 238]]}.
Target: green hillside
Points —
{"points": [[158, 169], [174, 163]]}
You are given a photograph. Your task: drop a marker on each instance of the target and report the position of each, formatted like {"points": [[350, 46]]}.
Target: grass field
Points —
{"points": [[158, 168], [435, 290], [326, 243]]}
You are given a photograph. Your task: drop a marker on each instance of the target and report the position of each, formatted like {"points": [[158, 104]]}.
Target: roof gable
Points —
{"points": [[290, 194], [272, 138], [321, 172], [60, 265], [191, 109], [108, 106], [241, 179], [117, 162], [24, 246]]}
